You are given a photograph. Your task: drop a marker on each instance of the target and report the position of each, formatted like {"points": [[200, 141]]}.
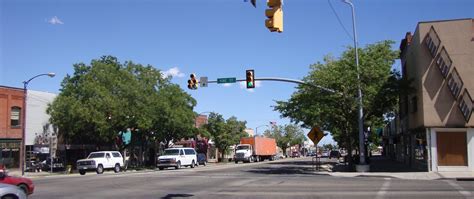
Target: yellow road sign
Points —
{"points": [[316, 135]]}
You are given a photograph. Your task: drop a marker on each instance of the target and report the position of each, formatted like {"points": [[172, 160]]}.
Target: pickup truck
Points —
{"points": [[100, 161]]}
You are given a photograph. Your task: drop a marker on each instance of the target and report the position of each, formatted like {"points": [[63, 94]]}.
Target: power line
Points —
{"points": [[339, 20]]}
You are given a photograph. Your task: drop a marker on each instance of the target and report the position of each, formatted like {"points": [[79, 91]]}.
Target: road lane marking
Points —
{"points": [[461, 190], [383, 189]]}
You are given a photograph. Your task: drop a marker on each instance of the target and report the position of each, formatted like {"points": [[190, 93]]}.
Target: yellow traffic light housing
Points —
{"points": [[193, 82], [275, 16], [250, 78]]}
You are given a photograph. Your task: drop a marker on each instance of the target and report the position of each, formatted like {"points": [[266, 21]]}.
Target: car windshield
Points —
{"points": [[171, 152], [242, 147], [96, 155]]}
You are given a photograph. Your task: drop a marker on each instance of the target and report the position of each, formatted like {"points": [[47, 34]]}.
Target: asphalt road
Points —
{"points": [[290, 178]]}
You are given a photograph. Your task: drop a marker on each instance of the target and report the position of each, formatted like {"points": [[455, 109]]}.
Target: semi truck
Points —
{"points": [[255, 149]]}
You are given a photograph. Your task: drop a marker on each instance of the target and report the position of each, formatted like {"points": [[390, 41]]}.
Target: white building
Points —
{"points": [[37, 120]]}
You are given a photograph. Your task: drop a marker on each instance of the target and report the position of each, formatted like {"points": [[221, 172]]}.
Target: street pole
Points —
{"points": [[256, 129], [359, 91], [23, 127]]}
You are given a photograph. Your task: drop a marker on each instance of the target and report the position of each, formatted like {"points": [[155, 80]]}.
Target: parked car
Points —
{"points": [[325, 154], [177, 157], [100, 161], [25, 184], [295, 154], [33, 166], [334, 154], [279, 156], [11, 192], [57, 165]]}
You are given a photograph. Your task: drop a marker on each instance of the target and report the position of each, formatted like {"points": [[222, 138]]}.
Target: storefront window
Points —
{"points": [[10, 153]]}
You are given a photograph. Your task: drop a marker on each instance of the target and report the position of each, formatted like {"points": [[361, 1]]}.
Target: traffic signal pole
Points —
{"points": [[279, 79]]}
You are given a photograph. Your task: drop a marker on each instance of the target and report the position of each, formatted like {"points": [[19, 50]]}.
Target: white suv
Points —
{"points": [[177, 157], [100, 160]]}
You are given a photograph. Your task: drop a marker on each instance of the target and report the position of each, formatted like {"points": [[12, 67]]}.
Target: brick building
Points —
{"points": [[11, 107]]}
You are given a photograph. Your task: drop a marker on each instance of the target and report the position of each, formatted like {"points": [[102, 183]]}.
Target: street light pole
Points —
{"points": [[256, 129], [23, 127], [359, 91]]}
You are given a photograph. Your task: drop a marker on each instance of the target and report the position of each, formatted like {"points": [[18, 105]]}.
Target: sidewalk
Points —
{"points": [[384, 167], [17, 172]]}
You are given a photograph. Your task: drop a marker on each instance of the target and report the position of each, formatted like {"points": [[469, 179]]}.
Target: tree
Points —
{"points": [[106, 97], [338, 112], [225, 133], [93, 102], [285, 136], [173, 114]]}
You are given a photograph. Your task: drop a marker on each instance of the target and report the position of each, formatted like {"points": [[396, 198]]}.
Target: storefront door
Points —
{"points": [[452, 148]]}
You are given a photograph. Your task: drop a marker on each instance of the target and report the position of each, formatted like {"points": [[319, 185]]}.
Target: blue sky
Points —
{"points": [[213, 38]]}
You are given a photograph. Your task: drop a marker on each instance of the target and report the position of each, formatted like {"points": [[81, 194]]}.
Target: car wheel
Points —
{"points": [[161, 168], [117, 168], [24, 188], [11, 196], [193, 164], [178, 165], [236, 162], [100, 169], [82, 172]]}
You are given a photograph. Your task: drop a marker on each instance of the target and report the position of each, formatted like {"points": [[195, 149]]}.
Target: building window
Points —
{"points": [[444, 62], [432, 41], [414, 105], [465, 105], [455, 83], [15, 117]]}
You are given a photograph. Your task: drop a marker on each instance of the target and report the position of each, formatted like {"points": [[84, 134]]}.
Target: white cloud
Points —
{"points": [[174, 72], [227, 85], [243, 85], [55, 21]]}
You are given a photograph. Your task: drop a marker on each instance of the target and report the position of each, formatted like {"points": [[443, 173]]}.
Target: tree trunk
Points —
{"points": [[223, 154]]}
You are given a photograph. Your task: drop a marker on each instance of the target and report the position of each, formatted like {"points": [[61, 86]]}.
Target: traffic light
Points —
{"points": [[193, 83], [275, 16], [250, 78]]}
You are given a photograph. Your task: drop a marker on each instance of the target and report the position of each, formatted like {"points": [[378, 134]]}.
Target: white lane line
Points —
{"points": [[461, 190], [383, 189]]}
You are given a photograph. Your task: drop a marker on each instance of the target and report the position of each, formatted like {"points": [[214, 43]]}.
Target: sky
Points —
{"points": [[212, 38]]}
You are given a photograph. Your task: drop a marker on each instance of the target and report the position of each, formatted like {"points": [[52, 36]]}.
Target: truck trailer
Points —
{"points": [[255, 149]]}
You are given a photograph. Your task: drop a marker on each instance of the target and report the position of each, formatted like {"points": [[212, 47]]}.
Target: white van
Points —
{"points": [[177, 157]]}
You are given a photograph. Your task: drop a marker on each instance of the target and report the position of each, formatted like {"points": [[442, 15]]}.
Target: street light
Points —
{"points": [[256, 129], [359, 91], [23, 146]]}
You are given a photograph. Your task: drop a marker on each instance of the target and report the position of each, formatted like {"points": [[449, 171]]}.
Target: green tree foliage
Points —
{"points": [[105, 97], [286, 136], [338, 112], [225, 133]]}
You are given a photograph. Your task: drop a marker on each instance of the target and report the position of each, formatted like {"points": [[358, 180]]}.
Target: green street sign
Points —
{"points": [[226, 80]]}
